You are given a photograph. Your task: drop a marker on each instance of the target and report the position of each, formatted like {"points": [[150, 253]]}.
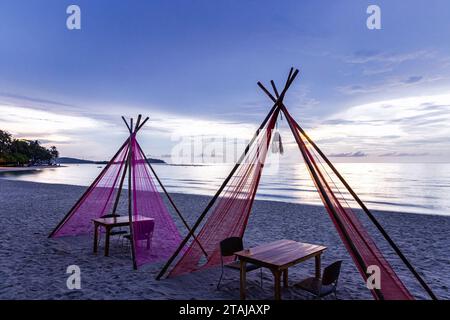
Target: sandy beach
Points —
{"points": [[34, 267]]}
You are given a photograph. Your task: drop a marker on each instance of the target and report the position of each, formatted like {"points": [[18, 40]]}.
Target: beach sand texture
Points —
{"points": [[34, 267]]}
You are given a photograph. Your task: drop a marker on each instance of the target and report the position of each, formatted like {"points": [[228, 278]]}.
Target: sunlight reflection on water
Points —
{"points": [[412, 187]]}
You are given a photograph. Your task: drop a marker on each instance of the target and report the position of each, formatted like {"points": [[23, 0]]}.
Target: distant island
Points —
{"points": [[68, 160]]}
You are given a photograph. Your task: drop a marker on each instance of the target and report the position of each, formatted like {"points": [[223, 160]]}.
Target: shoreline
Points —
{"points": [[320, 205], [34, 267], [32, 168]]}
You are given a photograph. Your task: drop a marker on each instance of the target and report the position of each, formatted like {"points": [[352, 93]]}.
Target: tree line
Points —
{"points": [[20, 152]]}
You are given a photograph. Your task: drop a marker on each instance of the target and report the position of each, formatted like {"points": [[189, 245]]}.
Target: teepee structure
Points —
{"points": [[144, 202], [231, 206]]}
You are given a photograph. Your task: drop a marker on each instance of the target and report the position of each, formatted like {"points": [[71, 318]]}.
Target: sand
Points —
{"points": [[34, 267]]}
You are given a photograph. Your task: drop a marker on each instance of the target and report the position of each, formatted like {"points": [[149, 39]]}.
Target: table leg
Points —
{"points": [[243, 279], [285, 278], [318, 272], [95, 238], [277, 277], [107, 236]]}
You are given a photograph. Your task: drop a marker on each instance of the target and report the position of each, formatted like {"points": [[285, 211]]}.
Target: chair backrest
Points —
{"points": [[331, 273], [231, 245], [143, 229]]}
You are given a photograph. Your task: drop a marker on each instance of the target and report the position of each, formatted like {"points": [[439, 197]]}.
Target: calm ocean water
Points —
{"points": [[405, 187]]}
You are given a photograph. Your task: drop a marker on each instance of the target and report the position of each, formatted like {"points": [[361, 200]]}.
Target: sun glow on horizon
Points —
{"points": [[363, 132]]}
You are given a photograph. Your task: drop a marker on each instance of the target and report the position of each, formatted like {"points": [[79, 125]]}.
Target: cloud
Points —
{"points": [[95, 137], [387, 84], [404, 154], [33, 99], [357, 154], [405, 127], [374, 56], [413, 79], [25, 120], [375, 62]]}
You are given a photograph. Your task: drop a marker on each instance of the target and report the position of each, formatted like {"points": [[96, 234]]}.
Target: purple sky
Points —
{"points": [[192, 66]]}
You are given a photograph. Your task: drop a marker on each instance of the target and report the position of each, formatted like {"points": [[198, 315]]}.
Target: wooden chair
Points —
{"points": [[228, 247], [326, 285]]}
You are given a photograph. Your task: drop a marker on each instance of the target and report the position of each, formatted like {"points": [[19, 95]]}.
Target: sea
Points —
{"points": [[422, 188]]}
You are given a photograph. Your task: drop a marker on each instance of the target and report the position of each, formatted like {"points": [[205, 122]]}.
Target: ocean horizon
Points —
{"points": [[419, 188]]}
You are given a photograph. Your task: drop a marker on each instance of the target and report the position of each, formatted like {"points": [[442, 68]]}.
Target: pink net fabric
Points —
{"points": [[231, 212], [155, 234], [98, 200]]}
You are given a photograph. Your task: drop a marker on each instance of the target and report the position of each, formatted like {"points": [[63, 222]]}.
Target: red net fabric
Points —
{"points": [[355, 237], [155, 234], [97, 201], [230, 215], [231, 212]]}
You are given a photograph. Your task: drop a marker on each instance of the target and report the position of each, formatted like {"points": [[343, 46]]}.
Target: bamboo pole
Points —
{"points": [[171, 200], [130, 205], [291, 77], [119, 192], [365, 209], [88, 190], [372, 218], [312, 170]]}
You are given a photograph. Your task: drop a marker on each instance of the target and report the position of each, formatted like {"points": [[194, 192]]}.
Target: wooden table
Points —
{"points": [[278, 256], [110, 223]]}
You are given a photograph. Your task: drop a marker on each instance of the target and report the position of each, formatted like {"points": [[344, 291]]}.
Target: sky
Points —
{"points": [[192, 67]]}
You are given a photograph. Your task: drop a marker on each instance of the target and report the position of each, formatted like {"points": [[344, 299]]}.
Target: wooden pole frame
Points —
{"points": [[290, 79], [116, 203], [69, 213], [133, 130], [323, 193], [130, 193], [356, 197], [137, 127], [122, 180], [171, 200]]}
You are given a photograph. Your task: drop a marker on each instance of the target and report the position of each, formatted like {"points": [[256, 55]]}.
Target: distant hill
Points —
{"points": [[68, 160]]}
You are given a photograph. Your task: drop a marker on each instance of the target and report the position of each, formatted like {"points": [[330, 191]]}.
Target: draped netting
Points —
{"points": [[97, 201], [155, 235], [231, 212], [232, 209], [338, 203]]}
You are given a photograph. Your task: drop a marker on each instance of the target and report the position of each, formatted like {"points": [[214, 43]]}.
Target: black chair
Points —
{"points": [[228, 248], [325, 286]]}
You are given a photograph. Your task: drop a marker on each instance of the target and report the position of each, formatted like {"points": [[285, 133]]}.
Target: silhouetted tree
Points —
{"points": [[21, 152]]}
